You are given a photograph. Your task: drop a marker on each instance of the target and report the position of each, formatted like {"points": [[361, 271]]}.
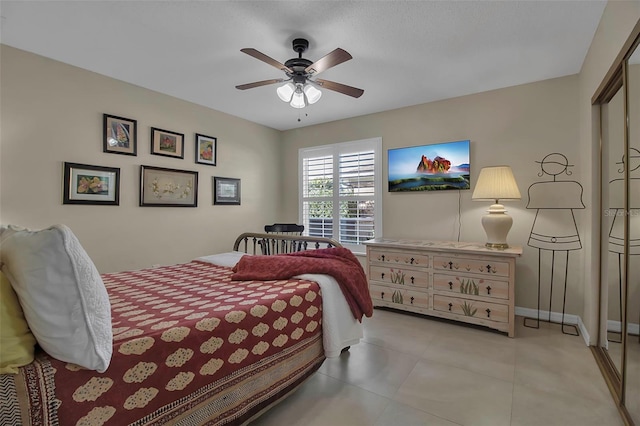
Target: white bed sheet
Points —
{"points": [[339, 328]]}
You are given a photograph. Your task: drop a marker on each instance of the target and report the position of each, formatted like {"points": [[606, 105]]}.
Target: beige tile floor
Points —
{"points": [[410, 370]]}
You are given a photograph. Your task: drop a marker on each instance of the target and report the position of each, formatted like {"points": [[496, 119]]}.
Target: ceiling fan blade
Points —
{"points": [[259, 83], [339, 87], [331, 59], [264, 58]]}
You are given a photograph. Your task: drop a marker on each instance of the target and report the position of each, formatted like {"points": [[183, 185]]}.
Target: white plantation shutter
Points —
{"points": [[317, 188], [341, 189], [357, 196]]}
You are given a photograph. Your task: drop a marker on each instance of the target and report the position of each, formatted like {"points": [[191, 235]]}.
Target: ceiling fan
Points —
{"points": [[301, 72]]}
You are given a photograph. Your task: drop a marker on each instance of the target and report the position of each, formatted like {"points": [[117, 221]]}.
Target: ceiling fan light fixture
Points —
{"points": [[301, 88], [285, 91], [313, 94], [298, 99]]}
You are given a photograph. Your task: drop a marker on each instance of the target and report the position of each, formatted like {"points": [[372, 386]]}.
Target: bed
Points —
{"points": [[195, 343]]}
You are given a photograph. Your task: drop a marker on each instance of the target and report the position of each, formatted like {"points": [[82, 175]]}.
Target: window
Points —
{"points": [[341, 191]]}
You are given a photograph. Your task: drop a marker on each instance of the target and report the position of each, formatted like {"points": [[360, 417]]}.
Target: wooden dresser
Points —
{"points": [[461, 281]]}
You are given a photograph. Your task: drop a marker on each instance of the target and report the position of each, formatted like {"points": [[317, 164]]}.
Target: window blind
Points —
{"points": [[340, 191]]}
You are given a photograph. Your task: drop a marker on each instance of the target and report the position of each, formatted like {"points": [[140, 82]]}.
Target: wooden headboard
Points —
{"points": [[269, 244]]}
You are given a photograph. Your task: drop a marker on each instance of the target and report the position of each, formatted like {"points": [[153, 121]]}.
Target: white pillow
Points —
{"points": [[224, 259], [62, 295], [6, 231]]}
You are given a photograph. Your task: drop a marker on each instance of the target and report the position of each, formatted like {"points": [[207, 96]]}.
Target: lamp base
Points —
{"points": [[499, 246], [496, 225]]}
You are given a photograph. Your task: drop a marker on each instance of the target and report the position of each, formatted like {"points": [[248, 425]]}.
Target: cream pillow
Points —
{"points": [[62, 294], [17, 344], [223, 259]]}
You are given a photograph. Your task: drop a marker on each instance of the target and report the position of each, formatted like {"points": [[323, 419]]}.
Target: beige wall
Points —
{"points": [[52, 113], [516, 126]]}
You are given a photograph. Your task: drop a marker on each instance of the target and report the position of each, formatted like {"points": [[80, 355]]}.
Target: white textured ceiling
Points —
{"points": [[404, 52]]}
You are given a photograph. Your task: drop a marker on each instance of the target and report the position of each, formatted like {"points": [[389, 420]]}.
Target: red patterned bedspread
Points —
{"points": [[190, 346]]}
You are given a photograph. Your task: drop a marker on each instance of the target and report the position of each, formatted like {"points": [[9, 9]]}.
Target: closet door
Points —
{"points": [[618, 350], [631, 378], [613, 259]]}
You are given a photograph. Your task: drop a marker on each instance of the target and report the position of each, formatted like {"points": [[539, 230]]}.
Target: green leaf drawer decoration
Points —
{"points": [[397, 297], [468, 309], [468, 286], [397, 277]]}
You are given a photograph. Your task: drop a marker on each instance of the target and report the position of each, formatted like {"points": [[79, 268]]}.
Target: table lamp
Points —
{"points": [[496, 183]]}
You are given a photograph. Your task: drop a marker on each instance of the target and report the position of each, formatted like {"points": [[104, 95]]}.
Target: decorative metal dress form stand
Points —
{"points": [[616, 233], [554, 227]]}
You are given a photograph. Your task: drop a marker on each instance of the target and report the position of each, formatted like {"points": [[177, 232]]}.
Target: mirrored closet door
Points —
{"points": [[632, 343], [613, 260], [618, 351]]}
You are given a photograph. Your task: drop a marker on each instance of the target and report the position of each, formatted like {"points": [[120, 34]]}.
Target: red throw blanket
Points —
{"points": [[338, 262]]}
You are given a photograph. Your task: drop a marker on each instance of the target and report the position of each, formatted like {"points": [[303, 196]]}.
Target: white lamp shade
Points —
{"points": [[285, 91], [298, 99], [313, 94], [496, 183]]}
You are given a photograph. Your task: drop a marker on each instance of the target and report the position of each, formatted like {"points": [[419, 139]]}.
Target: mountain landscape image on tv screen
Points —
{"points": [[432, 167]]}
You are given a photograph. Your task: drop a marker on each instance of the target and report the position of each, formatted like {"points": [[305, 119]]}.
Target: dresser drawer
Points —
{"points": [[476, 266], [400, 296], [471, 308], [395, 257], [471, 285], [393, 274]]}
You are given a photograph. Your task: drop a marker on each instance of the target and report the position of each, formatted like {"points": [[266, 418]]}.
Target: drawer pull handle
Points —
{"points": [[382, 295], [450, 265], [490, 269], [489, 290], [450, 285], [488, 313], [412, 280], [412, 260], [412, 300], [450, 306], [382, 275], [382, 257]]}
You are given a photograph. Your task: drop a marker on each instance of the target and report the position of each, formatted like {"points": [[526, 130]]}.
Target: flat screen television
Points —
{"points": [[434, 167]]}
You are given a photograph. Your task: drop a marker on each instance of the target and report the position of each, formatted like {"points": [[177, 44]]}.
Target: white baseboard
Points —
{"points": [[616, 326], [556, 317]]}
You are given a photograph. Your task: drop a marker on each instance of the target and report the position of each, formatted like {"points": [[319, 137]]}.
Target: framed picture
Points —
{"points": [[85, 184], [226, 191], [120, 135], [206, 148], [169, 144], [160, 187]]}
